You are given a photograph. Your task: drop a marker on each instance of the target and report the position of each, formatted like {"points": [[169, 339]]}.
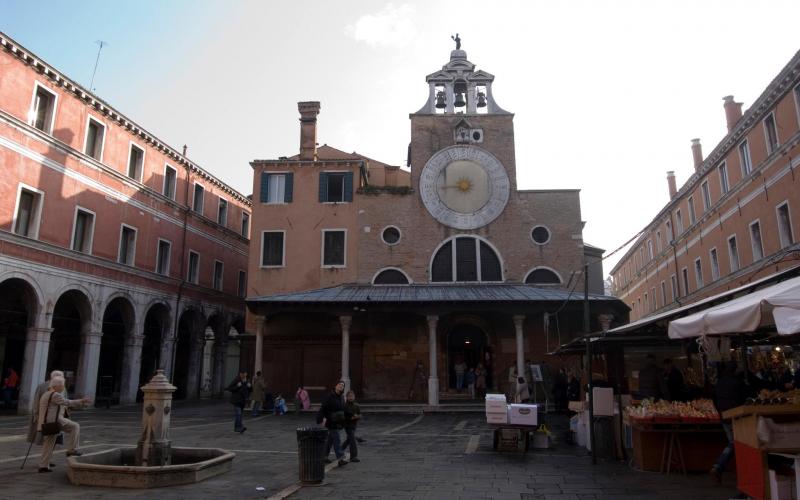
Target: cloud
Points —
{"points": [[391, 27]]}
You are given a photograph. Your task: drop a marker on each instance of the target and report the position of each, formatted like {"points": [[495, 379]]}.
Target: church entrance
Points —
{"points": [[465, 343]]}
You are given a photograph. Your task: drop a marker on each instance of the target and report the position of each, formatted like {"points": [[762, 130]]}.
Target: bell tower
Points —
{"points": [[461, 109]]}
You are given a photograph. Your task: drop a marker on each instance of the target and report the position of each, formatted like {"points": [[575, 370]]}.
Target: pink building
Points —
{"points": [[118, 255], [734, 220]]}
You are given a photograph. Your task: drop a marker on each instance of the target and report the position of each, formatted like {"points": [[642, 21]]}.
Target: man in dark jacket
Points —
{"points": [[650, 380], [331, 415], [676, 389], [240, 390], [729, 393]]}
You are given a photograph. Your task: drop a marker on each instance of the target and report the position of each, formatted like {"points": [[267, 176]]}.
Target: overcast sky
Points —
{"points": [[607, 95]]}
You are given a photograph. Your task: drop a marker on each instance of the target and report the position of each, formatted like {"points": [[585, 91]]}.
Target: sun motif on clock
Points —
{"points": [[464, 187]]}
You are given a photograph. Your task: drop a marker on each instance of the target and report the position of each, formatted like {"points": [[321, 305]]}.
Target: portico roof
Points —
{"points": [[430, 293]]}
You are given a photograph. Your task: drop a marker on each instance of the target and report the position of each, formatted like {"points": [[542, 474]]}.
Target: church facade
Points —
{"points": [[387, 277]]}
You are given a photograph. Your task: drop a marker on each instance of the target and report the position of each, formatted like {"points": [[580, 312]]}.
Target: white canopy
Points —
{"points": [[777, 305]]}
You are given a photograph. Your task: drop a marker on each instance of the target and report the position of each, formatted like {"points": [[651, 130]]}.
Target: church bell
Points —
{"points": [[481, 100], [459, 102], [440, 100]]}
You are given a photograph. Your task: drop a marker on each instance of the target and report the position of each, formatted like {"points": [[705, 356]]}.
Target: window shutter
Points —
{"points": [[264, 187], [323, 187], [348, 186], [288, 190]]}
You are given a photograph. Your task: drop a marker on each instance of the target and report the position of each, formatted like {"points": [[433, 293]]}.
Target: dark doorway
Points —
{"points": [[69, 315], [15, 304], [117, 324], [467, 343], [187, 326], [155, 323]]}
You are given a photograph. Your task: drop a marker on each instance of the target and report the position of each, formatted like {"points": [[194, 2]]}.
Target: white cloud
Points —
{"points": [[391, 27]]}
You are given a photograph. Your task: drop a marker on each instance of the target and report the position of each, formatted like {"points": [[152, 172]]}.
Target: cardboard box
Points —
{"points": [[519, 414], [496, 403], [577, 406], [497, 418]]}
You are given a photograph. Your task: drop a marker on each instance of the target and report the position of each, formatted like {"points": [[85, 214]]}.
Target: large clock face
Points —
{"points": [[464, 187]]}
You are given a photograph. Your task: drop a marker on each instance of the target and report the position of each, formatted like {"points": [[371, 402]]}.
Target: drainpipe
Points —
{"points": [[183, 271]]}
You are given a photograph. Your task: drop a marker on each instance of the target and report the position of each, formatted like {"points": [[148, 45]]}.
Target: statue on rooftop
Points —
{"points": [[457, 40]]}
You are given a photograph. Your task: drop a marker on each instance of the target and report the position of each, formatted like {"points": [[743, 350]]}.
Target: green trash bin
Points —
{"points": [[311, 453]]}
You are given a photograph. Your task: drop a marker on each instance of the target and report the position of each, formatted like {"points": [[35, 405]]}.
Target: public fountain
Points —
{"points": [[154, 462]]}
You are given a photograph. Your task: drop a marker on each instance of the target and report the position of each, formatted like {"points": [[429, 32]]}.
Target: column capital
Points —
{"points": [[91, 337], [519, 319], [37, 334], [260, 321], [345, 321], [433, 320]]}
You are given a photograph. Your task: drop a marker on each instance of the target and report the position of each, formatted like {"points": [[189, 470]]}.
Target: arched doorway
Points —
{"points": [[118, 320], [17, 308], [156, 322], [187, 356], [71, 316], [464, 342]]}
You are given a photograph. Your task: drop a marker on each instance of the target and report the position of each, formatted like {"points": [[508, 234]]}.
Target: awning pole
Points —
{"points": [[591, 400]]}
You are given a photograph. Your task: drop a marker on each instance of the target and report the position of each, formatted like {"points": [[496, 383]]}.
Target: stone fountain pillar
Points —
{"points": [[154, 447]]}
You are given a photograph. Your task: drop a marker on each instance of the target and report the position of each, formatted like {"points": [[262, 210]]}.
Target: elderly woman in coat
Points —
{"points": [[51, 409], [34, 436]]}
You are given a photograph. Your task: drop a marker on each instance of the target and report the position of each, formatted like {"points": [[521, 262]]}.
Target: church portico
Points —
{"points": [[401, 342]]}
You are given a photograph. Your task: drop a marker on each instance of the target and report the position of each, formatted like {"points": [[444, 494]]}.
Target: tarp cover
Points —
{"points": [[777, 305]]}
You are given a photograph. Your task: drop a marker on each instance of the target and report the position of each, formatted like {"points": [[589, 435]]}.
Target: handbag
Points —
{"points": [[50, 428]]}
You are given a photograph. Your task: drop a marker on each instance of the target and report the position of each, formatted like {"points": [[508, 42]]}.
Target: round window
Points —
{"points": [[540, 235], [391, 235]]}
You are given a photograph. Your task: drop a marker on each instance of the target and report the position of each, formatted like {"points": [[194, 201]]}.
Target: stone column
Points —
{"points": [[165, 358], [518, 322], [205, 386], [261, 326], [34, 371], [88, 363], [193, 371], [218, 382], [346, 321], [433, 379], [131, 368]]}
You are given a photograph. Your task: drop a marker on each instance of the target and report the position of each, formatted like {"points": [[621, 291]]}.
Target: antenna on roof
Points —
{"points": [[101, 43]]}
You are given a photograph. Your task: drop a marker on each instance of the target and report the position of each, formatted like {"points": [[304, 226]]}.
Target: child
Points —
{"points": [[280, 405], [470, 380], [352, 414]]}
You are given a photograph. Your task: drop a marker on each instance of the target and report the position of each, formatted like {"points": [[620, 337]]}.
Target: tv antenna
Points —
{"points": [[102, 44]]}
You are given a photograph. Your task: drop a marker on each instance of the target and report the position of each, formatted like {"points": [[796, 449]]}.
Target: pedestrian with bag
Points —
{"points": [[352, 415], [34, 436], [52, 421], [240, 390], [331, 415]]}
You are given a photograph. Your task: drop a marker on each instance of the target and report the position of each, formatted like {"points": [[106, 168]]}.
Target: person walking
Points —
{"points": [[469, 378], [301, 399], [34, 436], [240, 390], [331, 415], [259, 387], [10, 384], [673, 379], [730, 392], [51, 407], [480, 381], [460, 368], [352, 414]]}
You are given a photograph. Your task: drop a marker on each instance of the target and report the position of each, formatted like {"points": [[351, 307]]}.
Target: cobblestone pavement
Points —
{"points": [[440, 456]]}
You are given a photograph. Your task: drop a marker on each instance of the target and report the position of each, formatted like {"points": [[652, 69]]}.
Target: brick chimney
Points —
{"points": [[733, 111], [697, 153], [673, 188], [308, 129]]}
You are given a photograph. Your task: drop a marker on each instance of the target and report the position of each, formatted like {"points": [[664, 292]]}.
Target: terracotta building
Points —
{"points": [[734, 220], [118, 255], [387, 277]]}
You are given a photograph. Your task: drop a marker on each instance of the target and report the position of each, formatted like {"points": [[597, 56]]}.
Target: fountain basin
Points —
{"points": [[115, 468]]}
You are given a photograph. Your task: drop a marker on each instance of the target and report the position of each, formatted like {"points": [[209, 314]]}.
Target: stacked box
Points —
{"points": [[521, 414], [496, 409]]}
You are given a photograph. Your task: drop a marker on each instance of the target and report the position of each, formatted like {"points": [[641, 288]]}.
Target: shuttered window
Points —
{"points": [[335, 187], [276, 188]]}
